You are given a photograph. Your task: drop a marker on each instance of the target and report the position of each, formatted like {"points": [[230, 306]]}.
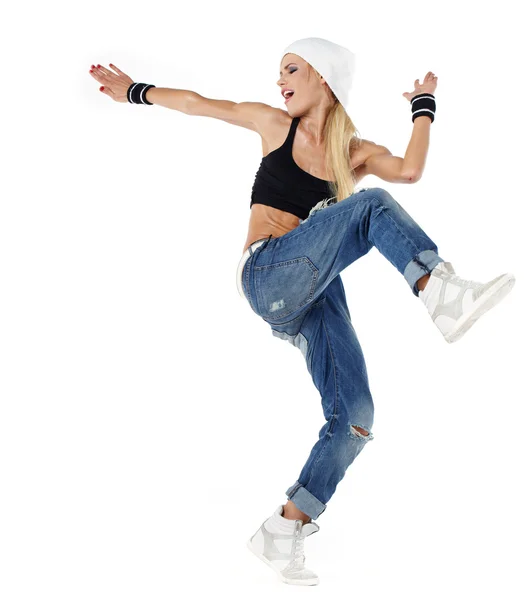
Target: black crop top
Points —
{"points": [[282, 184]]}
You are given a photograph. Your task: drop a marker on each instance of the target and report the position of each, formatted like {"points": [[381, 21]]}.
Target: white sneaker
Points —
{"points": [[284, 552], [455, 304]]}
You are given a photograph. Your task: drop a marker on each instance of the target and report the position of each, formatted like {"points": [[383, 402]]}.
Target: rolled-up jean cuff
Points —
{"points": [[422, 264], [305, 501]]}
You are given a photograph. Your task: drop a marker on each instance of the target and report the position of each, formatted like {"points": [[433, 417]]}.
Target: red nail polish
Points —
{"points": [[101, 88]]}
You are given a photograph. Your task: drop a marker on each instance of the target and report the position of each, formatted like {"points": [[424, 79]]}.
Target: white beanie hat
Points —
{"points": [[333, 62]]}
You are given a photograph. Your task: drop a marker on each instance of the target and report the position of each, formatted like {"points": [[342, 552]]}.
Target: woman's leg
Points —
{"points": [[336, 363], [293, 282], [287, 273]]}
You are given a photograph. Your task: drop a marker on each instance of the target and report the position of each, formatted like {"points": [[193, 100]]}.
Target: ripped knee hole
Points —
{"points": [[360, 432]]}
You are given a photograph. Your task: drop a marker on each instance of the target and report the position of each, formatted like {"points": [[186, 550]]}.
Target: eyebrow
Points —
{"points": [[287, 67]]}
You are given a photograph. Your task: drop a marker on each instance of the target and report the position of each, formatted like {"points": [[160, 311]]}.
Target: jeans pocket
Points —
{"points": [[284, 287]]}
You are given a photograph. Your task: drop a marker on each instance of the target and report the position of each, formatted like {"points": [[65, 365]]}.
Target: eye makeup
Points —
{"points": [[287, 68]]}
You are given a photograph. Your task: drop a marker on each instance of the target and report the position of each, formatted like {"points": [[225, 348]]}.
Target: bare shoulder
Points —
{"points": [[366, 149], [359, 151], [274, 127]]}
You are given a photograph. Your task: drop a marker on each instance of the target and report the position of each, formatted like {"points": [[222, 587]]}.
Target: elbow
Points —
{"points": [[411, 176], [192, 104]]}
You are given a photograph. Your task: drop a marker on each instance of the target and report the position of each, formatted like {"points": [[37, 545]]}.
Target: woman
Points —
{"points": [[307, 224]]}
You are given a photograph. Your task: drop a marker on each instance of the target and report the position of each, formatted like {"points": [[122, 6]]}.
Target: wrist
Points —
{"points": [[423, 105], [425, 119], [136, 93]]}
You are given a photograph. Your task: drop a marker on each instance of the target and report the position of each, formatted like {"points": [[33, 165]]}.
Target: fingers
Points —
{"points": [[99, 73], [113, 85], [102, 72], [105, 71], [117, 70]]}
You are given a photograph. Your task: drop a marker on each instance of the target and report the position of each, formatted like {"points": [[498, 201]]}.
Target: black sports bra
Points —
{"points": [[282, 184]]}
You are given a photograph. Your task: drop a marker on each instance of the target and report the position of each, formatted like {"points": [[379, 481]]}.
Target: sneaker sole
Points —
{"points": [[278, 572], [488, 300]]}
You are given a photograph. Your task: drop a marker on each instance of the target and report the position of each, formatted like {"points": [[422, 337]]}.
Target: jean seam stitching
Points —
{"points": [[249, 295], [334, 415], [309, 360], [336, 403]]}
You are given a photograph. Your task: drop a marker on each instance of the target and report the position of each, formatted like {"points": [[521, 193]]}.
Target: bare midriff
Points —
{"points": [[266, 220]]}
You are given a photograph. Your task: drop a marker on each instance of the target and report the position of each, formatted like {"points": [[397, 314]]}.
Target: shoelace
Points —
{"points": [[463, 282], [296, 564]]}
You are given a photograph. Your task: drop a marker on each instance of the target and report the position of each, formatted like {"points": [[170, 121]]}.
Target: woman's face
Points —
{"points": [[296, 75]]}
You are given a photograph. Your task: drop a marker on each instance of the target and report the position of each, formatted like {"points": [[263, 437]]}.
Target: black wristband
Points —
{"points": [[137, 93], [423, 105]]}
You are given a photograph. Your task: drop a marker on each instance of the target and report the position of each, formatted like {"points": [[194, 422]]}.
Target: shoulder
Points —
{"points": [[365, 149], [273, 127], [272, 119]]}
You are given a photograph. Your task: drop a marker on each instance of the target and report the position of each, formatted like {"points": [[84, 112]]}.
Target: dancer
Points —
{"points": [[308, 223]]}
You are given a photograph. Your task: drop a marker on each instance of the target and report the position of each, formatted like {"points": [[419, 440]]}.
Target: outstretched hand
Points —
{"points": [[428, 86], [114, 86]]}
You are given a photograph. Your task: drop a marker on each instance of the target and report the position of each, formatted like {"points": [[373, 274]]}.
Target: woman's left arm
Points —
{"points": [[380, 162]]}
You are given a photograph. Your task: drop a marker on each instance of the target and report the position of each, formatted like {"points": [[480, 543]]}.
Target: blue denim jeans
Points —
{"points": [[293, 283]]}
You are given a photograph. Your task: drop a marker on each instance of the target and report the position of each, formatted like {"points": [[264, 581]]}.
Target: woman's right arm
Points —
{"points": [[251, 115]]}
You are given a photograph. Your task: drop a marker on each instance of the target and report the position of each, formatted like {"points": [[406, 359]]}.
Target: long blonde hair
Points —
{"points": [[342, 138]]}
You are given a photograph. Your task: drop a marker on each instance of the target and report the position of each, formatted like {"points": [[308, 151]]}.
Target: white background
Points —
{"points": [[149, 421]]}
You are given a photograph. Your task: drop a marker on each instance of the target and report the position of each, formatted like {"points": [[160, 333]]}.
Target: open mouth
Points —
{"points": [[288, 96]]}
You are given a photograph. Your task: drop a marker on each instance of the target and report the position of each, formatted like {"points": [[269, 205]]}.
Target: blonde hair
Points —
{"points": [[342, 138]]}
